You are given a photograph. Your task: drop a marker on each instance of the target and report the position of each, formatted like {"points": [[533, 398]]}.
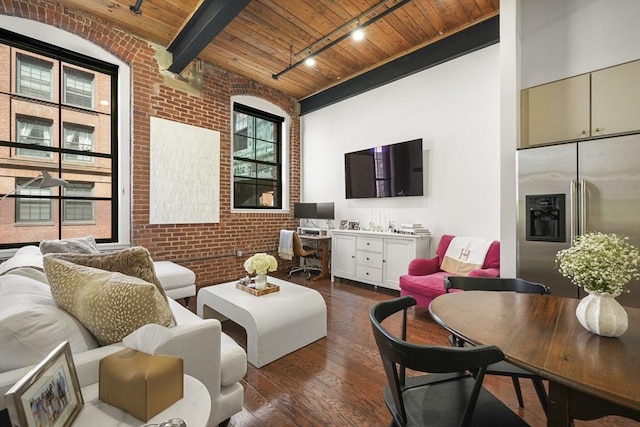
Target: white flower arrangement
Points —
{"points": [[260, 264], [598, 262]]}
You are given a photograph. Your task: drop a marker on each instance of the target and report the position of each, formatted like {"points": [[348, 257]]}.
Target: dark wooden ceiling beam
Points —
{"points": [[203, 26]]}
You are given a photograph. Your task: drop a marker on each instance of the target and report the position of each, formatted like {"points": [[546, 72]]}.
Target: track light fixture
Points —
{"points": [[358, 33], [136, 9], [342, 29], [310, 61]]}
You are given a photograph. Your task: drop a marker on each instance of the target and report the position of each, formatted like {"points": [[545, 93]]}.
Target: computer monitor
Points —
{"points": [[314, 210], [304, 210], [325, 211]]}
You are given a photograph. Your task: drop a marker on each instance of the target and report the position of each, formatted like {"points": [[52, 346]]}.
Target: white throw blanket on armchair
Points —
{"points": [[465, 254]]}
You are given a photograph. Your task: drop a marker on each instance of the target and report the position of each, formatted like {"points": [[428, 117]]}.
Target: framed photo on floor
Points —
{"points": [[49, 395]]}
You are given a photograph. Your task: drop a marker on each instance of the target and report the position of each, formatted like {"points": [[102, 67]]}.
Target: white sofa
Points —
{"points": [[209, 355]]}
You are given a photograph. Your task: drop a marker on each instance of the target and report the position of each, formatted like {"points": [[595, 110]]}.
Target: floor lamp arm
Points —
{"points": [[21, 187]]}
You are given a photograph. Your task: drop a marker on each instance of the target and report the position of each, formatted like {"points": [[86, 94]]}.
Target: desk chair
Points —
{"points": [[305, 253], [504, 368], [448, 395]]}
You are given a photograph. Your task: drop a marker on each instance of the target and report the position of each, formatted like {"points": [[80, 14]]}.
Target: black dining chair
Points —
{"points": [[448, 395], [503, 368]]}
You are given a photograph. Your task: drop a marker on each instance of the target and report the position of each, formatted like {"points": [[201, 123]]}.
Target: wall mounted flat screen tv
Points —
{"points": [[393, 170]]}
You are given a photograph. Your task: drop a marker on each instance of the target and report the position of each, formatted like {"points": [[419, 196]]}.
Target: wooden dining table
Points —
{"points": [[589, 376]]}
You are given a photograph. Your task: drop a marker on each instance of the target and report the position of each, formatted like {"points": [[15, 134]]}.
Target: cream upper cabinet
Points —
{"points": [[557, 111], [615, 99], [603, 102]]}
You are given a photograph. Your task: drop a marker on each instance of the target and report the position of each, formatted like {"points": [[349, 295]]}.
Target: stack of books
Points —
{"points": [[414, 229]]}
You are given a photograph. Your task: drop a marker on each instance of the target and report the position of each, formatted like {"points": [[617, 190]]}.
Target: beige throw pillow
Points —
{"points": [[76, 245], [135, 261], [110, 305]]}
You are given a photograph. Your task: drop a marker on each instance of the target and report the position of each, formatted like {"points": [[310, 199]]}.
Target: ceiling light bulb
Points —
{"points": [[357, 34], [310, 61]]}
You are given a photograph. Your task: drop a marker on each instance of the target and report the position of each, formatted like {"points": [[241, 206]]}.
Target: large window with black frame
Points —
{"points": [[57, 117], [257, 159]]}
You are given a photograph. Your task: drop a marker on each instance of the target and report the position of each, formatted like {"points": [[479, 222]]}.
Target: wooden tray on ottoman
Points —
{"points": [[258, 292]]}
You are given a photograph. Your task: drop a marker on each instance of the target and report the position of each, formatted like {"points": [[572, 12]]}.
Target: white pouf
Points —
{"points": [[177, 281]]}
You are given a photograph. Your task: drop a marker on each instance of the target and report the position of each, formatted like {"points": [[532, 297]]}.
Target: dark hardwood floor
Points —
{"points": [[338, 380]]}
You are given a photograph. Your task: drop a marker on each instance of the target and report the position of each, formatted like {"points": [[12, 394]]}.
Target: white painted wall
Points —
{"points": [[454, 108], [464, 111], [565, 38], [509, 133]]}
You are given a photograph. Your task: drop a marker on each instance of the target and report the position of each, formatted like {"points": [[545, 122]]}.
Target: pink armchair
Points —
{"points": [[425, 279]]}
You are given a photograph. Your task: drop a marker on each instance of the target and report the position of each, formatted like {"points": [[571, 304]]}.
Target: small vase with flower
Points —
{"points": [[603, 265], [260, 264]]}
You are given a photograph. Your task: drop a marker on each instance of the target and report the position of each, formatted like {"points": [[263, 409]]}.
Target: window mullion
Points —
{"points": [[53, 87], [256, 159]]}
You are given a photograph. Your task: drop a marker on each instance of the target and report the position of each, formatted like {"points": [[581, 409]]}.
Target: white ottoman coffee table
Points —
{"points": [[276, 324]]}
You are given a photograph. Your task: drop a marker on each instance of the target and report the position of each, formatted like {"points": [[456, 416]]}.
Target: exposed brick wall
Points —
{"points": [[208, 249]]}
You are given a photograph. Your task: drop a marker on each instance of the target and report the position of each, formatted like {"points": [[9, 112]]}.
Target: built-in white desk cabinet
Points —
{"points": [[375, 258]]}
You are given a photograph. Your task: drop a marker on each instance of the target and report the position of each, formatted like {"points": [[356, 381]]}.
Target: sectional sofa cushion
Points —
{"points": [[77, 245], [31, 273], [233, 363], [135, 261], [110, 305], [32, 325], [26, 256]]}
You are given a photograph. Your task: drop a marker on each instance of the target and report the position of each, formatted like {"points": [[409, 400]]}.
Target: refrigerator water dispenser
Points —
{"points": [[546, 217]]}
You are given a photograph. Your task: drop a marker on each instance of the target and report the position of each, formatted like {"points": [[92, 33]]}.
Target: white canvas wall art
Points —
{"points": [[184, 175]]}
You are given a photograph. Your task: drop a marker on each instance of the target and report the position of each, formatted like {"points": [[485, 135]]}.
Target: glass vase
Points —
{"points": [[601, 314], [261, 281]]}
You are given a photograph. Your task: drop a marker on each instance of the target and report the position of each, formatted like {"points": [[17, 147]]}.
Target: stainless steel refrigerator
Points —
{"points": [[570, 189]]}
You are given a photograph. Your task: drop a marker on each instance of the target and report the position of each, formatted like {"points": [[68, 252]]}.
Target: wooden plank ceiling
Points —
{"points": [[264, 38]]}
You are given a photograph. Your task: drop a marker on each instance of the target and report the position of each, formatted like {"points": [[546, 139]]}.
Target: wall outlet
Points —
{"points": [[239, 253]]}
